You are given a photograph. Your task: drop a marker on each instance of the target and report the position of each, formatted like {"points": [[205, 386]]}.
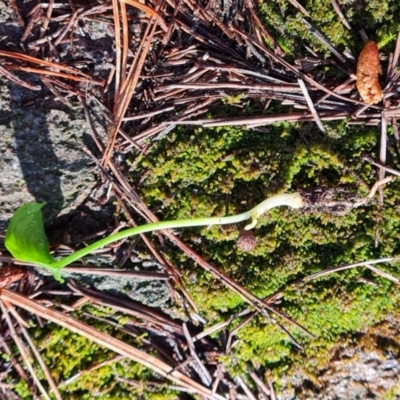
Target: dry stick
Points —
{"points": [[35, 351], [340, 14], [311, 105], [271, 388], [46, 39], [395, 129], [21, 348], [105, 340], [265, 120], [56, 93], [218, 376], [220, 325], [288, 334]]}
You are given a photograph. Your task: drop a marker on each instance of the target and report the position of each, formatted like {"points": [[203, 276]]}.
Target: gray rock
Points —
{"points": [[42, 157]]}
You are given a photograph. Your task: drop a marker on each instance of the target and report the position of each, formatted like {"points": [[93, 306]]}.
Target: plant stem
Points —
{"points": [[293, 200]]}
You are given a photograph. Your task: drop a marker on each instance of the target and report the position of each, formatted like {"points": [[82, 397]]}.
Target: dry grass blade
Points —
{"points": [[126, 92], [105, 340], [340, 14], [260, 25], [348, 266], [203, 372], [41, 71], [261, 385], [125, 42], [323, 40], [129, 307], [91, 369], [382, 153], [21, 349], [296, 4], [148, 10], [239, 380], [35, 351], [219, 326], [232, 333], [384, 167], [383, 274], [23, 57], [18, 80], [298, 73], [285, 88], [117, 36], [271, 388], [395, 59], [7, 351], [311, 105]]}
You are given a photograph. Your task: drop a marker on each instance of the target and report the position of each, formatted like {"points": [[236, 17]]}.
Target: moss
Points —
{"points": [[227, 170]]}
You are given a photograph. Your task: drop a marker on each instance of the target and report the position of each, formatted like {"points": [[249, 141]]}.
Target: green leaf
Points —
{"points": [[26, 239]]}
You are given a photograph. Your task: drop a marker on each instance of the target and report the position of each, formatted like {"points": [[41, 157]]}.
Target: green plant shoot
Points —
{"points": [[26, 239]]}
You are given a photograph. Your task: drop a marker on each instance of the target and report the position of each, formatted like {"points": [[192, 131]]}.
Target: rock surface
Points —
{"points": [[42, 157]]}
